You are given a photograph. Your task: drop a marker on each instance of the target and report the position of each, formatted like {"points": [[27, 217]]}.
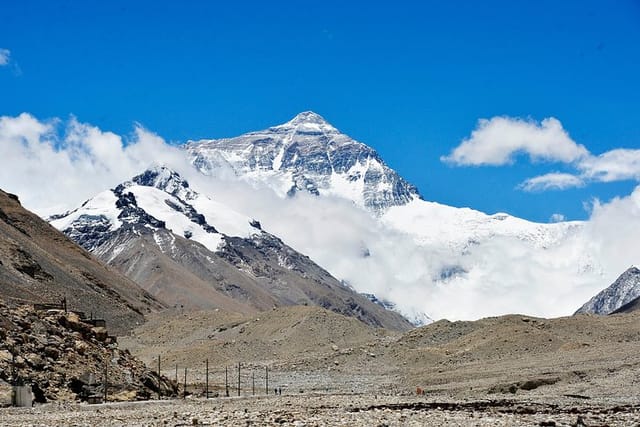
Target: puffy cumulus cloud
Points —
{"points": [[498, 140], [506, 275], [551, 181], [53, 165], [5, 56], [495, 142], [615, 165], [557, 217]]}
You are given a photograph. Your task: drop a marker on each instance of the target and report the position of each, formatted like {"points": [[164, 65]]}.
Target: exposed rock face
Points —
{"points": [[64, 358], [624, 290], [191, 251], [38, 264], [308, 154]]}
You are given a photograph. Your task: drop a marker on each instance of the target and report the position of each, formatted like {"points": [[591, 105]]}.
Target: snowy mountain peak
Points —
{"points": [[306, 122], [157, 199], [307, 154], [625, 289], [307, 117], [165, 179]]}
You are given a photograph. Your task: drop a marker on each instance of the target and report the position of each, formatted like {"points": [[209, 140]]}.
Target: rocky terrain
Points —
{"points": [[310, 349], [333, 410], [65, 358], [38, 264], [334, 370], [631, 306]]}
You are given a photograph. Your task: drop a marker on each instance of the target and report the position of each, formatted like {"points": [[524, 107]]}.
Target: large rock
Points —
{"points": [[6, 393], [61, 358]]}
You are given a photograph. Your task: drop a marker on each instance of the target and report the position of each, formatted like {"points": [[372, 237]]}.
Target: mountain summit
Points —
{"points": [[307, 154], [434, 252], [307, 119]]}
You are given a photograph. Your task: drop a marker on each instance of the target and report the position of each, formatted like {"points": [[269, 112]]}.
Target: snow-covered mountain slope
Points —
{"points": [[307, 154], [434, 224], [188, 249], [422, 256], [625, 289], [158, 198]]}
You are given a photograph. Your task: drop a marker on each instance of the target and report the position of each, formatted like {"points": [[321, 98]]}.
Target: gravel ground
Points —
{"points": [[321, 410]]}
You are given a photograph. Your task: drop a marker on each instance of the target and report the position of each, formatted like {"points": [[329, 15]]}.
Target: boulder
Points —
{"points": [[6, 393]]}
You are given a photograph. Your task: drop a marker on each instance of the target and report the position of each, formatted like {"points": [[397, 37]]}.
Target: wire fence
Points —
{"points": [[207, 381], [233, 380]]}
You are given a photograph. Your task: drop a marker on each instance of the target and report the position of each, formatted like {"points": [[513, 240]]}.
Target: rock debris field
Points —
{"points": [[321, 410]]}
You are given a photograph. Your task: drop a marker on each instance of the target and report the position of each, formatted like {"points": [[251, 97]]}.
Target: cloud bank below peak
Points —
{"points": [[499, 140]]}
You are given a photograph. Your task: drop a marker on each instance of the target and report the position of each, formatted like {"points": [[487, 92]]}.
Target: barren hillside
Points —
{"points": [[40, 264]]}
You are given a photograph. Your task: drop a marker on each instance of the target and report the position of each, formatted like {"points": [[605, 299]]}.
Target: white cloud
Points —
{"points": [[613, 232], [52, 173], [557, 217], [498, 140], [551, 181], [503, 274], [495, 142], [5, 55], [615, 165]]}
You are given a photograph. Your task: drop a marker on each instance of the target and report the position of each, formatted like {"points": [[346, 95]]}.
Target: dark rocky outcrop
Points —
{"points": [[64, 358]]}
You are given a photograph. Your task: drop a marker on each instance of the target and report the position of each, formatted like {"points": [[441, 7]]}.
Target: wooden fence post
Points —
{"points": [[226, 381], [184, 392], [238, 378], [159, 377], [206, 386]]}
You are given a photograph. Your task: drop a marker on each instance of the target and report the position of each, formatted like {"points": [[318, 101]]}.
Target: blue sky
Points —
{"points": [[411, 79]]}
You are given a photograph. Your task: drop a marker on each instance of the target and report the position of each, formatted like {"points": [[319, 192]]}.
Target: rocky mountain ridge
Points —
{"points": [[307, 154], [427, 248], [450, 245], [624, 290], [192, 251]]}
